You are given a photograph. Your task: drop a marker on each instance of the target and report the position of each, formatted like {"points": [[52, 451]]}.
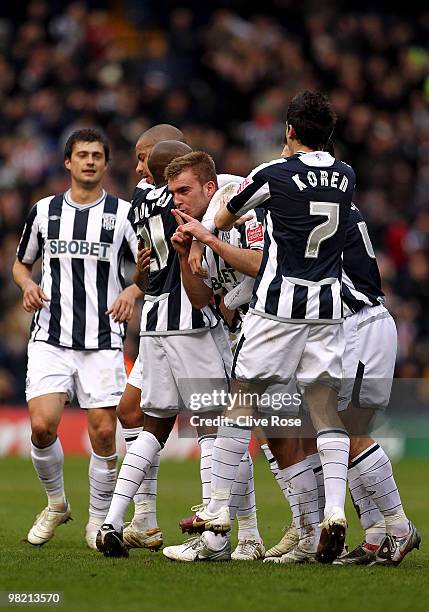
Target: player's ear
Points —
{"points": [[290, 131], [67, 163], [210, 188]]}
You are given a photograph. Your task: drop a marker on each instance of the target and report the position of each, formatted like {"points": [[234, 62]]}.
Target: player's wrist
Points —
{"points": [[27, 283]]}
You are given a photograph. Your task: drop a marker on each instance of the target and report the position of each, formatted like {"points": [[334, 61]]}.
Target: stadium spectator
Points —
{"points": [[224, 77]]}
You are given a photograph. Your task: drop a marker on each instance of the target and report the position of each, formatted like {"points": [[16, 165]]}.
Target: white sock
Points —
{"points": [[215, 541], [130, 435], [134, 468], [145, 498], [206, 447], [102, 477], [48, 463], [333, 446], [314, 461], [274, 467], [375, 470], [246, 511], [240, 487], [226, 458], [370, 517], [302, 494]]}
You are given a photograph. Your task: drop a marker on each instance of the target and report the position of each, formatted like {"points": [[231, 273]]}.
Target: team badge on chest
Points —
{"points": [[108, 222]]}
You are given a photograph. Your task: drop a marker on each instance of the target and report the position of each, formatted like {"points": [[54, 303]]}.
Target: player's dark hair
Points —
{"points": [[161, 155], [312, 117], [201, 164], [86, 135]]}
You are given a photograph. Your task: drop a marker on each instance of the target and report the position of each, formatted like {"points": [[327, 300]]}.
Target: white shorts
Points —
{"points": [[178, 368], [135, 376], [97, 378], [275, 352], [369, 358]]}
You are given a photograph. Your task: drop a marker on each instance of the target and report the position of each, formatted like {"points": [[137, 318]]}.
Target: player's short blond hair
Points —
{"points": [[200, 162]]}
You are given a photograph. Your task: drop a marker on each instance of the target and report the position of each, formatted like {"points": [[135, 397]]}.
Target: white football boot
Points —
{"points": [[198, 549], [303, 552], [248, 550], [219, 522], [134, 537], [332, 536], [289, 540], [45, 524], [91, 529], [393, 548]]}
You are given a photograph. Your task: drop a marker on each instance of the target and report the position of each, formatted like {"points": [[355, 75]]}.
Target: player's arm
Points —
{"points": [[246, 261], [253, 192], [32, 295], [141, 274], [28, 252], [123, 307]]}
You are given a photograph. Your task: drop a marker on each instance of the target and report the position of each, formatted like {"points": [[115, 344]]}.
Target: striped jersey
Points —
{"points": [[166, 307], [222, 277], [249, 235], [361, 282], [83, 250], [307, 199]]}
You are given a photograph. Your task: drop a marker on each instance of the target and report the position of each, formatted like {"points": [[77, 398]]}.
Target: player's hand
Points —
{"points": [[181, 242], [243, 219], [122, 308], [33, 296], [227, 314], [195, 259], [143, 259], [189, 225]]}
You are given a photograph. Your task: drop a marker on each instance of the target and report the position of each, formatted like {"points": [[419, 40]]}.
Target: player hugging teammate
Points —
{"points": [[283, 260]]}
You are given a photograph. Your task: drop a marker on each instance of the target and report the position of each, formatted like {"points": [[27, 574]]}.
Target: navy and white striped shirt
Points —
{"points": [[166, 307], [361, 282], [83, 250], [307, 199]]}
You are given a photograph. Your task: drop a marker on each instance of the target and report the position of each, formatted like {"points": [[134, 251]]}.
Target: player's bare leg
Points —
{"points": [[102, 468], [143, 530], [333, 445], [48, 458]]}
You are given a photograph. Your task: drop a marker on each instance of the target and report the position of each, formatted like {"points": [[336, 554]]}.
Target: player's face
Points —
{"points": [[143, 150], [189, 195], [87, 163]]}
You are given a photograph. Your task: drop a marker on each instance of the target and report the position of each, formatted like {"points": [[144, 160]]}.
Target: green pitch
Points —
{"points": [[149, 581]]}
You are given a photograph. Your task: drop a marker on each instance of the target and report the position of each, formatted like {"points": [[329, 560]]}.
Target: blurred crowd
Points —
{"points": [[225, 77]]}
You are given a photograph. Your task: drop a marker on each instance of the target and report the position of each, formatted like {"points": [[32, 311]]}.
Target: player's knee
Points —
{"points": [[42, 433], [129, 415], [104, 436]]}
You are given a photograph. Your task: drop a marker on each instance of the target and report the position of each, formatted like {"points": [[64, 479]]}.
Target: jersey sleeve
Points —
{"points": [[30, 245], [241, 294], [252, 231], [130, 236], [254, 191], [206, 267]]}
